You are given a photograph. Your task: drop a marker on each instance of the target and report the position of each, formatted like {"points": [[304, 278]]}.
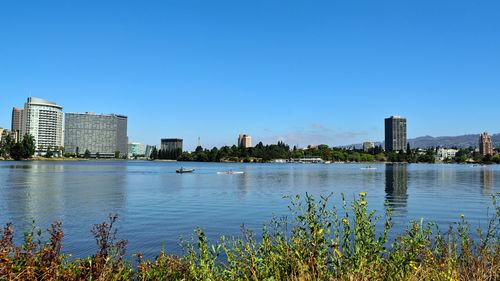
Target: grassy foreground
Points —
{"points": [[316, 242]]}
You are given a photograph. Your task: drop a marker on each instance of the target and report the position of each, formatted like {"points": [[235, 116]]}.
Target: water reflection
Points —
{"points": [[46, 192], [486, 179], [396, 185]]}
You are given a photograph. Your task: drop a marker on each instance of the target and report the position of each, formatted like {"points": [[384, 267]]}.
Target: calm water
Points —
{"points": [[157, 205]]}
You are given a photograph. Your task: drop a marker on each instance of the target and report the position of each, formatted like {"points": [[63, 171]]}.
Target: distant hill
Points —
{"points": [[463, 141]]}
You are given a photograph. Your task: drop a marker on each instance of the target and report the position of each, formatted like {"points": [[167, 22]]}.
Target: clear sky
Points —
{"points": [[305, 72]]}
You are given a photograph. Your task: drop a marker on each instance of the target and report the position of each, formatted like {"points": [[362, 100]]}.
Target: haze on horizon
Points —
{"points": [[300, 72]]}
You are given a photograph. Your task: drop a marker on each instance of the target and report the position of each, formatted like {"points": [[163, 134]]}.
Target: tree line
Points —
{"points": [[265, 153], [24, 149]]}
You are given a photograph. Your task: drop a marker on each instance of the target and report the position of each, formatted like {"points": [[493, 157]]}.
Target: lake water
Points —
{"points": [[157, 205]]}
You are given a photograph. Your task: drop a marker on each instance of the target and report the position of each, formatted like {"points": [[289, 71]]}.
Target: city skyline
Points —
{"points": [[301, 73]]}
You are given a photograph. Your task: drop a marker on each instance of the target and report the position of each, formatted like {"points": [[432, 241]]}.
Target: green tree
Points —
{"points": [[28, 146], [97, 155], [7, 145], [16, 151], [117, 154], [86, 154]]}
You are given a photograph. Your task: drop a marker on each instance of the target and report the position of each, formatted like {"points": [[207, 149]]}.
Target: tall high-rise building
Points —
{"points": [[485, 144], [44, 121], [17, 121], [244, 141], [99, 133], [395, 134]]}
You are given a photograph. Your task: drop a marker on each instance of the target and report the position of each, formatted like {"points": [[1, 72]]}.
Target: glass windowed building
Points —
{"points": [[99, 133], [44, 121], [395, 134]]}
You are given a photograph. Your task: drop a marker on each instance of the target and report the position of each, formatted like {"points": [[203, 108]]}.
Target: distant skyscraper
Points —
{"points": [[17, 121], [99, 133], [171, 144], [395, 134], [485, 144], [244, 141], [44, 121]]}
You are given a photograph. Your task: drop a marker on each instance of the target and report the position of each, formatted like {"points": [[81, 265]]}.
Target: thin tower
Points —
{"points": [[199, 141]]}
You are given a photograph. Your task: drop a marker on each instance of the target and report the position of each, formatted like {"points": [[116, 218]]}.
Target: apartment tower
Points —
{"points": [[244, 141], [44, 121], [485, 144], [99, 133], [395, 134], [17, 121]]}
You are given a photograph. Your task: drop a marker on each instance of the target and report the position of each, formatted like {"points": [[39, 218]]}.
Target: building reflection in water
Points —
{"points": [[46, 192], [486, 178], [396, 185]]}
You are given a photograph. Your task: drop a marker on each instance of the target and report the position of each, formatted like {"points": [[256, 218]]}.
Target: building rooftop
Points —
{"points": [[42, 101]]}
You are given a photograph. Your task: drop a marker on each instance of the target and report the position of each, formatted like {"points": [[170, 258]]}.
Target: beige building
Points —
{"points": [[17, 119], [245, 141], [5, 132], [443, 154]]}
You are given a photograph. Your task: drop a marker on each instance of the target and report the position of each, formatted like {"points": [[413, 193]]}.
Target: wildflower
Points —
{"points": [[362, 194], [462, 216], [346, 221], [320, 230], [363, 202], [338, 252]]}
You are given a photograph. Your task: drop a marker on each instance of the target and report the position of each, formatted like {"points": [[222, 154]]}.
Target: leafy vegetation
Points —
{"points": [[316, 241], [25, 149]]}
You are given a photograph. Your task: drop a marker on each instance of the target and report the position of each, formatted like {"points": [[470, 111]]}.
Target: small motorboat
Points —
{"points": [[368, 168], [182, 171]]}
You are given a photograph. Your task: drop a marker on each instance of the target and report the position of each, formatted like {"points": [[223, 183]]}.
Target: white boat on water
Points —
{"points": [[368, 168], [230, 172]]}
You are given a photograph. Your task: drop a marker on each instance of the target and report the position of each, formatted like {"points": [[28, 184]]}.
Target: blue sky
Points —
{"points": [[305, 72]]}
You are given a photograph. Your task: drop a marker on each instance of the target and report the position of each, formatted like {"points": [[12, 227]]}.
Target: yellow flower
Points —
{"points": [[362, 194], [462, 216], [345, 221], [338, 253], [363, 202]]}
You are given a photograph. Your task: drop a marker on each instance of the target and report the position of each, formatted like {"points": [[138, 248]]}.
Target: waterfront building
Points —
{"points": [[44, 121], [367, 145], [485, 144], [307, 159], [395, 134], [443, 154], [135, 148], [17, 120], [99, 133], [148, 150], [171, 144], [4, 133], [244, 141]]}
